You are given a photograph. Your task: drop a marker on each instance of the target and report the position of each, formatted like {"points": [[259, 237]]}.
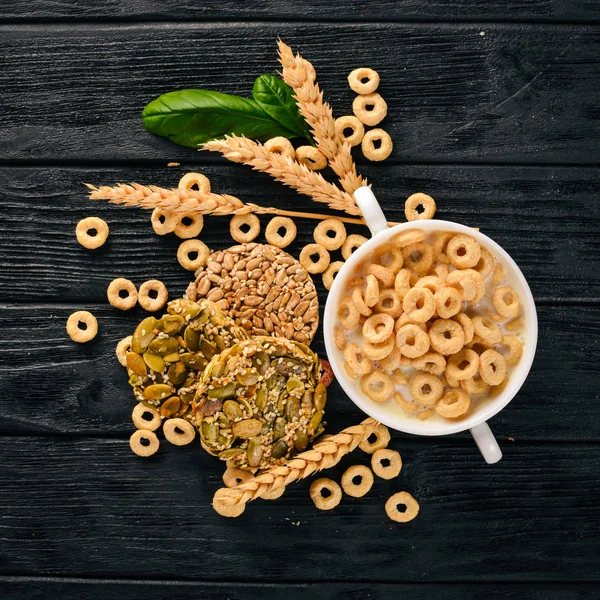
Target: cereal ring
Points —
{"points": [[463, 365], [192, 181], [381, 350], [402, 283], [311, 158], [179, 431], [492, 367], [378, 440], [404, 320], [339, 337], [348, 314], [412, 341], [412, 204], [163, 222], [463, 251], [122, 294], [325, 493], [323, 231], [433, 283], [389, 303], [475, 386], [330, 273], [144, 442], [506, 302], [377, 386], [454, 404], [144, 417], [515, 325], [349, 129], [122, 349], [467, 325], [486, 263], [426, 389], [357, 481], [515, 349], [499, 275], [91, 232], [384, 275], [386, 464], [430, 362], [358, 297], [357, 361], [306, 258], [377, 145], [439, 246], [378, 328], [410, 236], [369, 108], [391, 361], [496, 390], [487, 330], [419, 305], [192, 254], [409, 407], [399, 377], [273, 495], [153, 295], [226, 510], [446, 336], [234, 476], [426, 414], [351, 243], [189, 225], [363, 80], [466, 282], [479, 345], [82, 326], [280, 145], [273, 236], [448, 302], [350, 371], [244, 228], [410, 507], [418, 257], [371, 290], [389, 257], [441, 271]]}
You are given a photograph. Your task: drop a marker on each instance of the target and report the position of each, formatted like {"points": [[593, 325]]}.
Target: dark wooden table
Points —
{"points": [[494, 109]]}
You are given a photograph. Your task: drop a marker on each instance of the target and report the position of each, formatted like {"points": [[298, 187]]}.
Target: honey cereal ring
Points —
{"points": [[419, 305], [446, 336], [221, 507], [409, 407], [311, 158], [496, 390], [430, 362], [357, 480], [479, 345], [339, 337], [349, 129], [378, 386], [463, 251], [371, 290], [358, 297], [91, 232], [475, 386], [493, 316], [402, 283], [386, 464], [179, 432], [384, 275], [144, 417], [499, 275], [122, 349], [463, 365], [379, 351], [433, 283], [378, 328], [389, 257], [350, 371], [306, 258], [377, 145], [492, 367], [192, 181], [82, 326], [234, 476], [450, 381], [325, 493], [412, 341], [357, 360], [404, 320], [408, 513], [418, 257], [506, 302], [448, 302], [441, 271], [370, 109], [351, 243], [487, 330], [144, 442], [276, 493], [325, 228], [426, 389], [515, 324], [515, 349], [348, 314], [355, 282], [467, 324], [330, 273], [466, 282], [391, 361], [273, 236], [189, 225], [454, 404], [378, 440], [363, 80], [426, 414], [153, 295], [244, 228], [399, 377], [280, 145], [192, 254], [163, 222], [389, 303], [408, 237], [122, 294], [486, 263], [413, 202], [439, 246]]}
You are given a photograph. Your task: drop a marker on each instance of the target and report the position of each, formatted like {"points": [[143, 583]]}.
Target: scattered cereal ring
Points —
{"points": [[371, 290], [189, 225], [378, 386], [486, 263], [192, 254], [281, 145], [311, 158], [389, 303], [386, 464], [440, 243], [506, 302], [349, 129], [426, 389], [467, 324], [273, 236], [363, 80], [379, 351], [448, 302], [163, 222], [412, 204], [418, 257], [153, 295], [410, 236], [475, 386], [369, 108], [352, 242], [323, 231], [223, 508], [492, 367], [234, 476], [348, 314], [454, 404], [487, 330], [355, 357], [402, 515], [378, 440], [402, 283], [339, 337], [446, 336], [357, 481], [499, 275], [419, 305], [179, 431], [122, 294], [430, 362], [409, 407], [82, 326], [432, 282], [377, 145], [378, 328], [325, 493], [311, 265], [389, 257], [144, 442], [515, 348], [412, 341], [244, 228], [122, 349], [91, 232], [330, 273], [463, 251], [144, 417], [194, 180], [463, 365]]}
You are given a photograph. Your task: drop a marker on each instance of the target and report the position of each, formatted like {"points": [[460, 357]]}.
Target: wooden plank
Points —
{"points": [[544, 217], [98, 511], [500, 93], [51, 385]]}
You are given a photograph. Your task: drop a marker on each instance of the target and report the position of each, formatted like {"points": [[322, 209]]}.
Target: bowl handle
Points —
{"points": [[486, 442], [371, 210]]}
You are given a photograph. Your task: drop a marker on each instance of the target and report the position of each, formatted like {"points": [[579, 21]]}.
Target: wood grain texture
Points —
{"points": [[544, 217], [98, 511], [517, 93]]}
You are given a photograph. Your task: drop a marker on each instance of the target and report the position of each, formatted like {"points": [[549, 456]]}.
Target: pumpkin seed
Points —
{"points": [[315, 421], [320, 397], [158, 391], [224, 423], [171, 358], [230, 453], [261, 362], [301, 441], [220, 343], [217, 318], [136, 363], [279, 428], [248, 428], [232, 409], [225, 391], [293, 383], [254, 452], [307, 401], [170, 323], [209, 431], [261, 399], [170, 407], [292, 409], [143, 335], [207, 348], [194, 361], [192, 339], [135, 380], [177, 373], [247, 377], [155, 362], [162, 346], [279, 449], [218, 369]]}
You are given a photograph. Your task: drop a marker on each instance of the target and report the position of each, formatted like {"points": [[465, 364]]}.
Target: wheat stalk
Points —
{"points": [[323, 455]]}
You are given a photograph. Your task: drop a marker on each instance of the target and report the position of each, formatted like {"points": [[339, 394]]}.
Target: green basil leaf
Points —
{"points": [[193, 117], [275, 97]]}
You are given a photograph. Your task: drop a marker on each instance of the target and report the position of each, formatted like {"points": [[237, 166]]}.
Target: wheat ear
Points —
{"points": [[323, 455]]}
